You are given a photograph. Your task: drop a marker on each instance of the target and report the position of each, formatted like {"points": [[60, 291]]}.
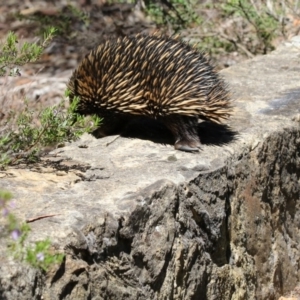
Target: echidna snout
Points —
{"points": [[152, 76]]}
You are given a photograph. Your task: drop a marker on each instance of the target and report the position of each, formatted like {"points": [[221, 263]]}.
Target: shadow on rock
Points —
{"points": [[216, 134], [153, 130]]}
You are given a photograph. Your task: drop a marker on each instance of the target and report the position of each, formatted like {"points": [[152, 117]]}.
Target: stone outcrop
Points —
{"points": [[139, 220]]}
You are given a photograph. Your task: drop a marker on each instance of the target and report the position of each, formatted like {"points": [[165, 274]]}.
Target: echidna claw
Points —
{"points": [[187, 148]]}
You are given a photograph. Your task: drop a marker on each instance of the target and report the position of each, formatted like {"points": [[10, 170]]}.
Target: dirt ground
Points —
{"points": [[75, 37], [42, 83], [85, 23]]}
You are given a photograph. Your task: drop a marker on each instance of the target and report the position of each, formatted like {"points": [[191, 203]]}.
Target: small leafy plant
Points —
{"points": [[32, 132], [39, 254], [66, 20], [54, 126], [12, 55], [264, 23], [24, 140], [176, 13]]}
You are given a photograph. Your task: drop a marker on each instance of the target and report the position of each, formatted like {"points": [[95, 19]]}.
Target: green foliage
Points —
{"points": [[25, 139], [54, 125], [213, 45], [121, 1], [63, 21], [244, 27], [5, 196], [178, 13], [13, 55], [39, 254], [33, 131], [260, 19], [175, 13]]}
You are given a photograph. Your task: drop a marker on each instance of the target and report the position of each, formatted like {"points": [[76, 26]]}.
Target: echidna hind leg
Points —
{"points": [[185, 131]]}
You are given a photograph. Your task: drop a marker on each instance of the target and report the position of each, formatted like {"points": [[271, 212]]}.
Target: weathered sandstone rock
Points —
{"points": [[139, 220]]}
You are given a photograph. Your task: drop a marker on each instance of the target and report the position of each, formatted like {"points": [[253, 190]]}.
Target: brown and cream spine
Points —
{"points": [[154, 76]]}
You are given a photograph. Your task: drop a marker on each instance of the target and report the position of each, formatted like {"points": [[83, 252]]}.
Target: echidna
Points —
{"points": [[154, 76]]}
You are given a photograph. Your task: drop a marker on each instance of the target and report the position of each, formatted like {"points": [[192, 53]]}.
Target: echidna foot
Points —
{"points": [[189, 146], [185, 131]]}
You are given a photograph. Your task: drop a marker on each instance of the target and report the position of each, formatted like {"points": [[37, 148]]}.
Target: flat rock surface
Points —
{"points": [[115, 176], [266, 96]]}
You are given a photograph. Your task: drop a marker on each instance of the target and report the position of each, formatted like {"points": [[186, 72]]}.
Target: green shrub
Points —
{"points": [[38, 254], [53, 126], [178, 14], [63, 20], [25, 138], [264, 24], [13, 55]]}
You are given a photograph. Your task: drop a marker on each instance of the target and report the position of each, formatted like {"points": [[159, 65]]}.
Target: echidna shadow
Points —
{"points": [[153, 77], [209, 133]]}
